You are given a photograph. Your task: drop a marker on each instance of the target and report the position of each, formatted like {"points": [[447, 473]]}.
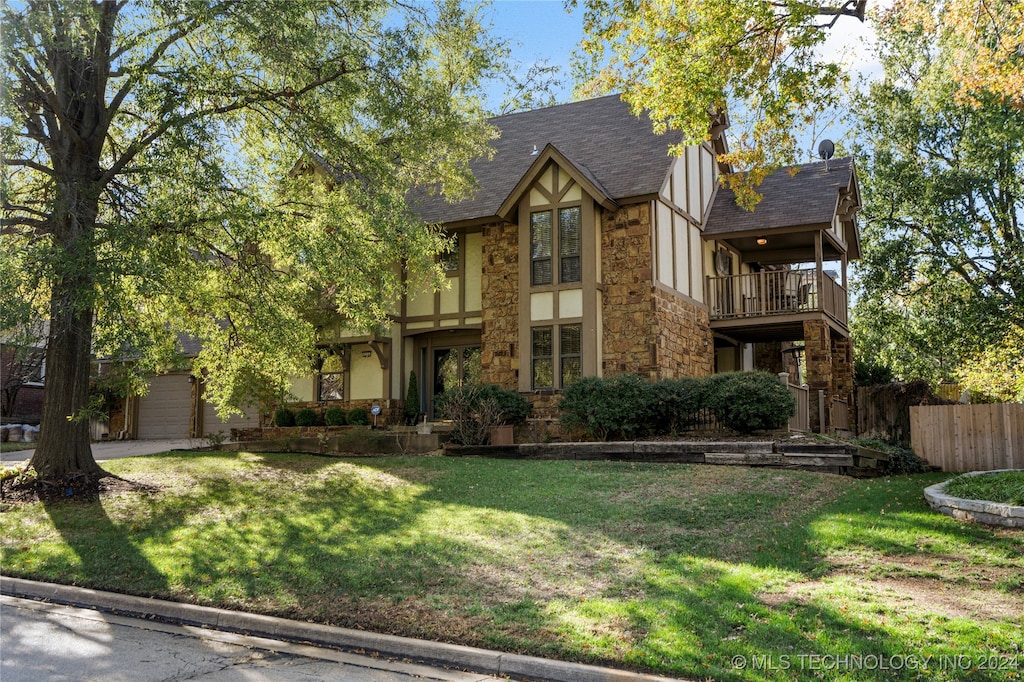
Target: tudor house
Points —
{"points": [[589, 250]]}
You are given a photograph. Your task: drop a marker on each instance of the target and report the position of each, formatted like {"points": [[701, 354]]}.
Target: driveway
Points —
{"points": [[117, 449]]}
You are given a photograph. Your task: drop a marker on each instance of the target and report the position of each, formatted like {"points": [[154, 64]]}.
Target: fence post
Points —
{"points": [[784, 378], [821, 411]]}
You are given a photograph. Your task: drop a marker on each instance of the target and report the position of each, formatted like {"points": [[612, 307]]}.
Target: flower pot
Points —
{"points": [[503, 435]]}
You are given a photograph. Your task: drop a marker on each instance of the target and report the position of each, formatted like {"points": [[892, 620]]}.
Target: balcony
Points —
{"points": [[772, 305]]}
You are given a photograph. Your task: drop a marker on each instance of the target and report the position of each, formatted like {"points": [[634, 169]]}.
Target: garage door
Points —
{"points": [[166, 411], [213, 424]]}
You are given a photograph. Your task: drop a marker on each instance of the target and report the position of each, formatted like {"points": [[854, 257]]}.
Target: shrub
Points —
{"points": [[617, 407], [901, 460], [675, 405], [284, 417], [358, 417], [412, 400], [749, 401], [334, 416], [306, 417], [512, 407]]}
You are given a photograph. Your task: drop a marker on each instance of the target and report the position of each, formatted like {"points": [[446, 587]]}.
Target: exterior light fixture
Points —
{"points": [[761, 241]]}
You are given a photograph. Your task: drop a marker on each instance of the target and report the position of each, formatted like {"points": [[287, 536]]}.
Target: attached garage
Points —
{"points": [[166, 410]]}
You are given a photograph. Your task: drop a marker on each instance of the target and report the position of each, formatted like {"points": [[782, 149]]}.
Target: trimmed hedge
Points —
{"points": [[335, 416], [284, 417], [307, 416], [358, 417], [749, 401], [626, 406]]}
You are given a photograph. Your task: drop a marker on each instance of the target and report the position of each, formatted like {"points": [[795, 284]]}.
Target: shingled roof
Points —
{"points": [[616, 150], [808, 197]]}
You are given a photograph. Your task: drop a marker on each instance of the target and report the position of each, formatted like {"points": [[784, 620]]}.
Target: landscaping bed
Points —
{"points": [[690, 571]]}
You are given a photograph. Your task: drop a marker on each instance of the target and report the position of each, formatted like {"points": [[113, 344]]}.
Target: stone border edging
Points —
{"points": [[980, 511], [471, 658]]}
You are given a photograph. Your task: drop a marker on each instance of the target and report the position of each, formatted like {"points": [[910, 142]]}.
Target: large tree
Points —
{"points": [[682, 60], [150, 189], [941, 160]]}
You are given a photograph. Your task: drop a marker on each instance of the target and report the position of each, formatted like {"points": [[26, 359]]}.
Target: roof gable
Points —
{"points": [[598, 139], [581, 175]]}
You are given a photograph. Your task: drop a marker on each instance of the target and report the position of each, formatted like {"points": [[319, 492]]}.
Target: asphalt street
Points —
{"points": [[43, 641]]}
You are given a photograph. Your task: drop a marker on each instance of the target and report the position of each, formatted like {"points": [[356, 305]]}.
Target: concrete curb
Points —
{"points": [[469, 658], [989, 513]]}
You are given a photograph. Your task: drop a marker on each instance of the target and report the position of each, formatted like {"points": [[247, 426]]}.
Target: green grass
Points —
{"points": [[1007, 487], [14, 447], [678, 570]]}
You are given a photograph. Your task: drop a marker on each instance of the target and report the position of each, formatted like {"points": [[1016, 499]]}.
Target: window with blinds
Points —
{"points": [[540, 248], [569, 244], [570, 351], [543, 246], [543, 354]]}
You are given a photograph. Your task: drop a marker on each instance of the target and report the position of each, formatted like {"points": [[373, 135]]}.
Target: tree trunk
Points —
{"points": [[64, 445]]}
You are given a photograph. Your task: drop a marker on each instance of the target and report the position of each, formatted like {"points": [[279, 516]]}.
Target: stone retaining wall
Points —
{"points": [[980, 511]]}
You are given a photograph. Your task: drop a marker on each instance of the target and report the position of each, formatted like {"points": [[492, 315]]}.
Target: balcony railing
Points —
{"points": [[775, 292]]}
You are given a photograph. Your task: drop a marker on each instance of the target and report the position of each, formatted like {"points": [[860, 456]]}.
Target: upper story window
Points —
{"points": [[450, 258], [545, 242]]}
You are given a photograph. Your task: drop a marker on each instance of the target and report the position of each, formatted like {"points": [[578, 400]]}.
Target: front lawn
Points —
{"points": [[693, 571]]}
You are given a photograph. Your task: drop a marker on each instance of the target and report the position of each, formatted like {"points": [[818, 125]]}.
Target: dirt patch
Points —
{"points": [[78, 487], [917, 595]]}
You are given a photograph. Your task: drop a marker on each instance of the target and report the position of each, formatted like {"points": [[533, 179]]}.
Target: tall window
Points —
{"points": [[543, 246], [543, 357], [569, 244], [570, 352], [540, 248]]}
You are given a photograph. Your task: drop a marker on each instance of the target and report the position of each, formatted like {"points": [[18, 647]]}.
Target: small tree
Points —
{"points": [[412, 400]]}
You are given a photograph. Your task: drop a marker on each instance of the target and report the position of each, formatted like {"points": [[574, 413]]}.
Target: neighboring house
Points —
{"points": [[589, 250], [22, 373]]}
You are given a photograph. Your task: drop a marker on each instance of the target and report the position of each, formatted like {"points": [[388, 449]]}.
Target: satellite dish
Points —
{"points": [[826, 149]]}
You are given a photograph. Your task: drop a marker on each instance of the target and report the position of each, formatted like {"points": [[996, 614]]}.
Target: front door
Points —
{"points": [[453, 366]]}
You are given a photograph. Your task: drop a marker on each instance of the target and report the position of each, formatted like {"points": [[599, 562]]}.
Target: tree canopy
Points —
{"points": [[683, 60], [151, 185], [942, 169]]}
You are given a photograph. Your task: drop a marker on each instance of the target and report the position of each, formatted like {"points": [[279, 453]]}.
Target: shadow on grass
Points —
{"points": [[104, 552], [652, 567]]}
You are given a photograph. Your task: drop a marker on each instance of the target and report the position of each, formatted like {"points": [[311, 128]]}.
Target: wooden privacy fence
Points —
{"points": [[969, 437]]}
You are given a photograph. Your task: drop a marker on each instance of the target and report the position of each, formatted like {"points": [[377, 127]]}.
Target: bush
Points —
{"points": [[284, 417], [617, 407], [306, 417], [749, 401], [357, 416], [412, 400], [675, 406], [901, 460], [335, 416], [512, 407]]}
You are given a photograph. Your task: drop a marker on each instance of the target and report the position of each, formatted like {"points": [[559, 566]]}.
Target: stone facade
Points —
{"points": [[842, 373], [818, 357], [630, 325], [685, 345], [499, 286], [769, 357]]}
